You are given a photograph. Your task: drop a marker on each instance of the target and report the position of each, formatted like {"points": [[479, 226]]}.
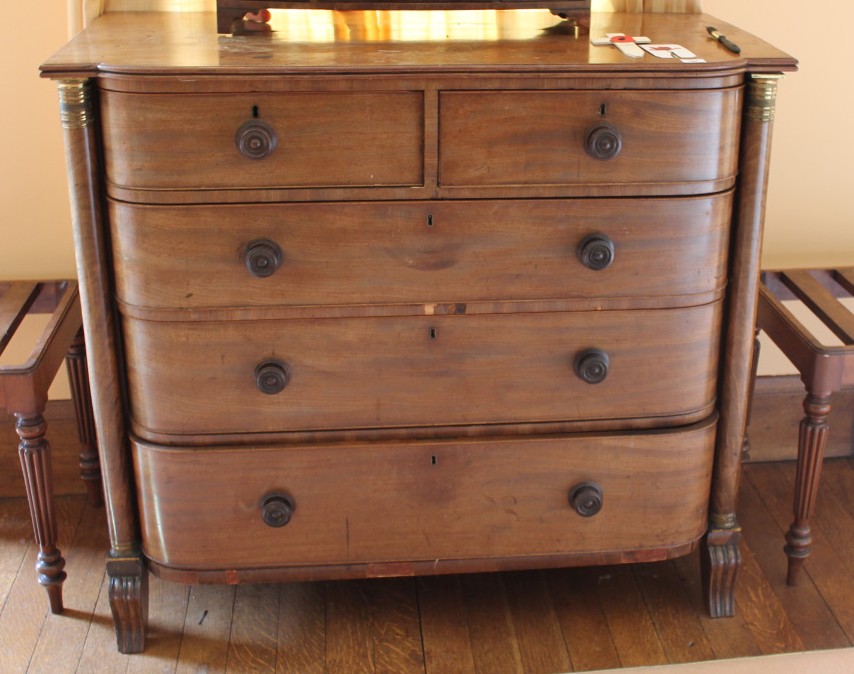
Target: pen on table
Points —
{"points": [[724, 40]]}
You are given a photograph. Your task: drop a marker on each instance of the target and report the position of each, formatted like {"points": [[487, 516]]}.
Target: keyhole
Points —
{"points": [[429, 220], [433, 460], [255, 111], [433, 333], [603, 109]]}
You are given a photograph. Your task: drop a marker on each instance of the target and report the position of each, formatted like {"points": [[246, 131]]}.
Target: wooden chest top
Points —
{"points": [[319, 41]]}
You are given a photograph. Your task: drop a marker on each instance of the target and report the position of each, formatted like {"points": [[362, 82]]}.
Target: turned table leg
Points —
{"points": [[34, 451], [811, 444], [754, 373], [78, 378]]}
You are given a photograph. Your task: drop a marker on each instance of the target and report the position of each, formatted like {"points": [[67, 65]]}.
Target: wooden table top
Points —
{"points": [[318, 41]]}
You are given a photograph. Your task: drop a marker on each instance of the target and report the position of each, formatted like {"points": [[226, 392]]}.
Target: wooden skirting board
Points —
{"points": [[776, 414], [65, 451]]}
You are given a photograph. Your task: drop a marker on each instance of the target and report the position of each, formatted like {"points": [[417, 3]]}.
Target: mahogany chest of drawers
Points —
{"points": [[369, 302]]}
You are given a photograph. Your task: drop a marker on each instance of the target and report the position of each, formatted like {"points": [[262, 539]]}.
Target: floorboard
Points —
{"points": [[581, 618], [728, 638], [444, 625], [254, 630], [26, 608], [302, 629], [676, 620], [61, 640], [99, 654], [542, 648], [493, 636], [809, 614], [207, 626], [532, 622], [630, 623]]}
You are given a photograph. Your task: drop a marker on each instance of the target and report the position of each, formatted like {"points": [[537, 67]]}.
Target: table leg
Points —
{"points": [[757, 348], [78, 378], [811, 443], [34, 451]]}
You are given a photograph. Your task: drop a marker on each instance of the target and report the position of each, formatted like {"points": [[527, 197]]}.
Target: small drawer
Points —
{"points": [[217, 141], [235, 508], [347, 373], [630, 138], [195, 257]]}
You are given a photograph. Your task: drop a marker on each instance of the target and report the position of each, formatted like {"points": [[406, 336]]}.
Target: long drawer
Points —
{"points": [[377, 502], [589, 137], [418, 252], [212, 141], [269, 140], [281, 375]]}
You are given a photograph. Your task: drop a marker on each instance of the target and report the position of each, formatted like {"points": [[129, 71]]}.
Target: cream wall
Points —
{"points": [[810, 213], [35, 236]]}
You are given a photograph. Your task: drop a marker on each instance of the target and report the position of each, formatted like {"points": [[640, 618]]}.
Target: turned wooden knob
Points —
{"points": [[591, 365], [603, 142], [586, 498], [256, 139], [263, 257], [271, 376], [596, 252], [277, 510]]}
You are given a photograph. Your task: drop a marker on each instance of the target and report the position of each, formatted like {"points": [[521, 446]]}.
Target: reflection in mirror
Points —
{"points": [[248, 16]]}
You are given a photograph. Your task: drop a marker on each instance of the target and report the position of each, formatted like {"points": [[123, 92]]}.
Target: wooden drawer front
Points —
{"points": [[187, 377], [379, 502], [173, 141], [530, 138], [364, 253]]}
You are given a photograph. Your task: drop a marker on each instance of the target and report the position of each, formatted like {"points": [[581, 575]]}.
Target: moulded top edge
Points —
{"points": [[320, 42]]}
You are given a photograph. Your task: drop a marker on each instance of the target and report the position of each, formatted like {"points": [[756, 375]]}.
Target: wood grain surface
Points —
{"points": [[188, 142], [418, 252], [108, 44], [384, 503], [523, 137], [198, 377]]}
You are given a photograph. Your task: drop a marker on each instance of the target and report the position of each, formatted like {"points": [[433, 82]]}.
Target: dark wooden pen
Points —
{"points": [[724, 40]]}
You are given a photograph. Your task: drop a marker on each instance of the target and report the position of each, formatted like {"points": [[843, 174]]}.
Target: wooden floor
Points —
{"points": [[551, 621]]}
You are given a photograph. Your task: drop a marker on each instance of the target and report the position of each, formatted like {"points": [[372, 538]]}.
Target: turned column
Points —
{"points": [[125, 565], [721, 556], [34, 451]]}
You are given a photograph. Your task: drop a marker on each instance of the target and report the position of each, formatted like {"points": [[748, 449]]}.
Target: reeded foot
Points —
{"points": [[720, 558], [793, 571], [129, 601], [51, 576], [797, 549]]}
